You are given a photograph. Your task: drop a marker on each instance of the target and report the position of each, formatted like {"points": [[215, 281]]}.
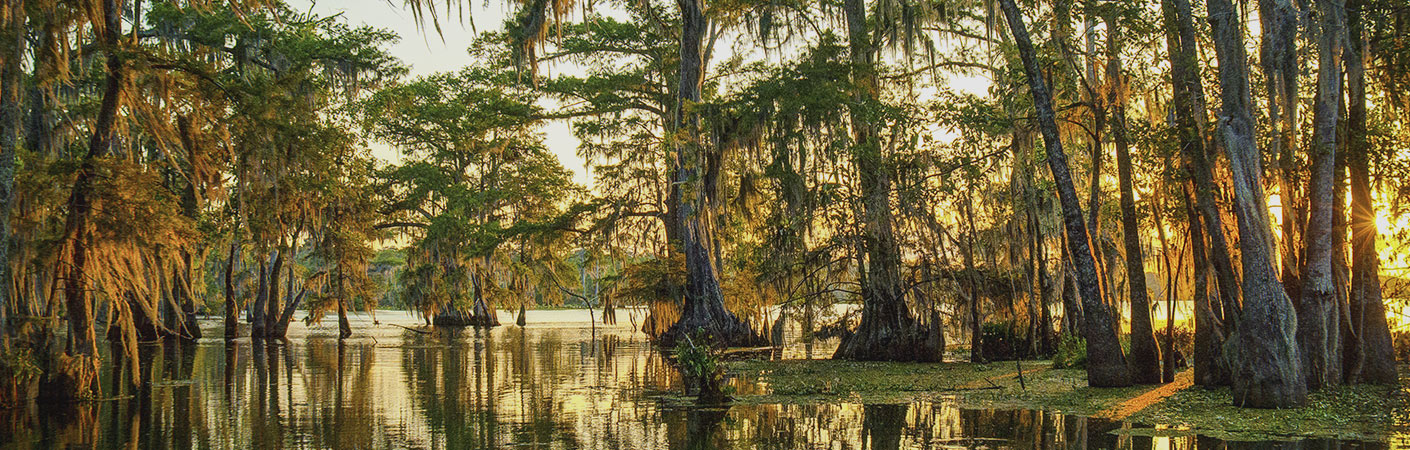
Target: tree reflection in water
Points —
{"points": [[561, 386]]}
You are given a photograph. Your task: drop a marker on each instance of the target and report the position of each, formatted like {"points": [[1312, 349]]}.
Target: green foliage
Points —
{"points": [[1071, 353], [482, 199], [701, 368]]}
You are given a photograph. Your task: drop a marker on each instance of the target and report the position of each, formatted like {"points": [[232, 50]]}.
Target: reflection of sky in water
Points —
{"points": [[557, 384]]}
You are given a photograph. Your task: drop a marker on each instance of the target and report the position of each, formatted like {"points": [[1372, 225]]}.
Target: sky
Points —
{"points": [[425, 52]]}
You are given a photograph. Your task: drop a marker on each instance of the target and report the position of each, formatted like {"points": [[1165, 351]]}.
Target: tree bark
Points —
{"points": [[1145, 354], [1210, 367], [1071, 305], [344, 327], [1172, 273], [1279, 57], [258, 310], [889, 330], [704, 308], [83, 342], [1373, 360], [232, 310], [272, 300], [1264, 356], [1191, 121], [1106, 365], [11, 51], [280, 328], [1317, 325], [191, 329], [1044, 288], [976, 322]]}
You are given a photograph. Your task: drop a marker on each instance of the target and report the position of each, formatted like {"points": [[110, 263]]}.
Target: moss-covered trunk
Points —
{"points": [[1262, 351], [888, 330], [1318, 328], [704, 307]]}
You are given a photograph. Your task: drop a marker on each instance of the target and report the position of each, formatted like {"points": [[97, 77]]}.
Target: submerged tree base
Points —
{"points": [[719, 326], [70, 378], [902, 340], [455, 318]]}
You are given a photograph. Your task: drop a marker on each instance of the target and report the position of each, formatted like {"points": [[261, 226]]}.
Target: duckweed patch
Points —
{"points": [[1363, 412]]}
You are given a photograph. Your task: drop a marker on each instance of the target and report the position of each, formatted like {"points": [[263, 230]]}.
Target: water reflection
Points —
{"points": [[561, 385]]}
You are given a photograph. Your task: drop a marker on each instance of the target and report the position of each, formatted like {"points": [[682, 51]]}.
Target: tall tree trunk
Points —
{"points": [[1106, 364], [232, 310], [1038, 327], [272, 305], [1210, 367], [1190, 114], [976, 329], [888, 330], [1317, 327], [1044, 288], [1338, 337], [11, 52], [258, 310], [1373, 360], [191, 329], [704, 307], [344, 327], [1279, 57], [1167, 373], [1263, 351], [83, 342], [40, 130], [1145, 354]]}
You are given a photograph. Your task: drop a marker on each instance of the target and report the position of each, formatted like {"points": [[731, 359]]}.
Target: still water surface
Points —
{"points": [[559, 383]]}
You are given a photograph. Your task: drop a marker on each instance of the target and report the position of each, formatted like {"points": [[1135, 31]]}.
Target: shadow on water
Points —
{"points": [[561, 385]]}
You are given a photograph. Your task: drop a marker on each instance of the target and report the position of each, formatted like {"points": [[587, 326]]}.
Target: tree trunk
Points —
{"points": [[257, 312], [1106, 364], [344, 328], [272, 304], [1210, 367], [280, 328], [185, 299], [11, 50], [1071, 305], [482, 314], [1263, 353], [704, 308], [1145, 354], [1044, 287], [1374, 359], [1167, 373], [976, 322], [1279, 57], [1317, 326], [232, 313], [888, 330], [191, 329], [83, 342], [1191, 120]]}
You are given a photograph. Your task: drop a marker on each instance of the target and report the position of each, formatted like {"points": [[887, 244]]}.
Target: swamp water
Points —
{"points": [[559, 383]]}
